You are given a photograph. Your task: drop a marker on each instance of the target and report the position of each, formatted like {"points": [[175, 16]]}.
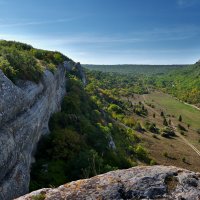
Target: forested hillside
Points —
{"points": [[183, 83], [134, 69], [85, 138]]}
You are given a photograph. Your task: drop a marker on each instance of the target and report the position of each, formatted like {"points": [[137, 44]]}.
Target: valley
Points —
{"points": [[186, 145], [100, 100], [96, 121], [152, 114]]}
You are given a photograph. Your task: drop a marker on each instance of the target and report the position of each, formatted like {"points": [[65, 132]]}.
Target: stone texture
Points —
{"points": [[148, 182], [69, 65], [25, 109]]}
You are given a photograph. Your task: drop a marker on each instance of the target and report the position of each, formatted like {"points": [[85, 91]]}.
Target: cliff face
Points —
{"points": [[25, 109], [156, 182]]}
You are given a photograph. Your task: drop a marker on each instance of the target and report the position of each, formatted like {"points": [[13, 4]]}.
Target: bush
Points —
{"points": [[167, 132], [141, 153], [153, 162], [165, 122], [151, 127], [138, 127], [38, 197], [165, 154], [115, 108], [181, 127]]}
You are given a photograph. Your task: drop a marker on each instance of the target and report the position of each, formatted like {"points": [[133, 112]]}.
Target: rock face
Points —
{"points": [[70, 65], [153, 182], [25, 109]]}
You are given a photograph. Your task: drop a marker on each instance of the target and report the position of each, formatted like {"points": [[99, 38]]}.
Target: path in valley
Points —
{"points": [[174, 128], [192, 105], [185, 140]]}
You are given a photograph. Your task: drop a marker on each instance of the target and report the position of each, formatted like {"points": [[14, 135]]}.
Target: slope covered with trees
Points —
{"points": [[134, 69], [183, 83], [85, 138]]}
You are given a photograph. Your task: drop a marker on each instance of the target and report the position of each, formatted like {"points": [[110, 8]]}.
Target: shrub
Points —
{"points": [[138, 127], [181, 127], [165, 122], [151, 127], [153, 162], [38, 197], [167, 132], [184, 159], [114, 108], [165, 154], [154, 136], [141, 153], [182, 133]]}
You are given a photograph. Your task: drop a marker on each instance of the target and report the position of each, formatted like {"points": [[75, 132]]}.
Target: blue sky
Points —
{"points": [[107, 31]]}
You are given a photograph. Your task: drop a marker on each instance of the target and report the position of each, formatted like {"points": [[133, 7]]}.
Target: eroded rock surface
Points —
{"points": [[149, 182], [25, 110]]}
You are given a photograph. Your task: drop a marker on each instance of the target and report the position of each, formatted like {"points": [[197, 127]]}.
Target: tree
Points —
{"points": [[180, 118], [165, 122], [138, 127]]}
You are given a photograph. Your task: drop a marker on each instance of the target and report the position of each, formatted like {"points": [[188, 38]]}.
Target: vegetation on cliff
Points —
{"points": [[22, 61]]}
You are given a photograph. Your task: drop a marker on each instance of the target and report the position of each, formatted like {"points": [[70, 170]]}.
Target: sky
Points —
{"points": [[107, 31]]}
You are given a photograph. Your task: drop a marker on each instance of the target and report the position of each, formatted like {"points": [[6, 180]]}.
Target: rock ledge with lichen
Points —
{"points": [[147, 182]]}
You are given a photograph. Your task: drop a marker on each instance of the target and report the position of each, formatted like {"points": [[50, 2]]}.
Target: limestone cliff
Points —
{"points": [[154, 182], [25, 109]]}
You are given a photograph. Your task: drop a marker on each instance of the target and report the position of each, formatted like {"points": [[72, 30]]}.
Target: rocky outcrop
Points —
{"points": [[153, 182], [70, 65], [25, 109]]}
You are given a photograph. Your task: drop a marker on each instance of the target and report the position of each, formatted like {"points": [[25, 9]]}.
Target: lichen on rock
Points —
{"points": [[148, 182]]}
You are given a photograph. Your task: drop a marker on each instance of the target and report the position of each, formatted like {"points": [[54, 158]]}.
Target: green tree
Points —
{"points": [[165, 122]]}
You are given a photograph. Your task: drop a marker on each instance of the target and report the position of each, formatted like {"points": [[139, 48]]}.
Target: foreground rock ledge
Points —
{"points": [[149, 182]]}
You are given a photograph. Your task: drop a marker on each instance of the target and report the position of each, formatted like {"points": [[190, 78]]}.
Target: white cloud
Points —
{"points": [[33, 23], [187, 3]]}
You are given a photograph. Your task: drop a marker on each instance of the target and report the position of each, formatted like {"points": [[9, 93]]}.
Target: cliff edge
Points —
{"points": [[148, 182], [25, 109]]}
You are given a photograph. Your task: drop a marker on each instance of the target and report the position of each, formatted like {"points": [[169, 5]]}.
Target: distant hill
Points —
{"points": [[182, 81], [134, 69]]}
